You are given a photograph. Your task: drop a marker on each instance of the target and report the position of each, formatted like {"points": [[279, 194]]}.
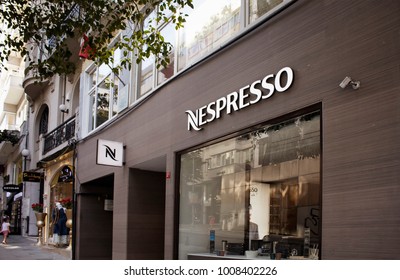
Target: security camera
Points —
{"points": [[346, 81]]}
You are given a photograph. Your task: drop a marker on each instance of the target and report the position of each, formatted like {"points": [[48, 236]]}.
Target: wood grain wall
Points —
{"points": [[323, 41]]}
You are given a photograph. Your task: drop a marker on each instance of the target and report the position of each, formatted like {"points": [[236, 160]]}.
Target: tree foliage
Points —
{"points": [[42, 31], [9, 136]]}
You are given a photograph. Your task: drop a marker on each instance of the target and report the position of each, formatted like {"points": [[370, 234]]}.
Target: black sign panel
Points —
{"points": [[66, 175], [28, 176], [12, 188]]}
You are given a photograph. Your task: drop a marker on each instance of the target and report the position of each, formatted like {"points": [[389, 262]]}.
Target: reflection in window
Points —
{"points": [[147, 66], [165, 73], [103, 101], [146, 76], [265, 183], [208, 26], [92, 109], [104, 87], [114, 86], [258, 8]]}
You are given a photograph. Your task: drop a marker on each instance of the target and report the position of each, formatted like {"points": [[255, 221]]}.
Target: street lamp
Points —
{"points": [[25, 153]]}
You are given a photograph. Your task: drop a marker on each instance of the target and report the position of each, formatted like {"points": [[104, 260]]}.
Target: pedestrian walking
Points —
{"points": [[5, 229]]}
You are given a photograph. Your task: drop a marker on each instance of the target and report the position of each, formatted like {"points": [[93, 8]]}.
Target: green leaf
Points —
{"points": [[67, 21]]}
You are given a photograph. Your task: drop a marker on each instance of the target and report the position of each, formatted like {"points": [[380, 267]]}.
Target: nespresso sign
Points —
{"points": [[110, 153], [244, 97]]}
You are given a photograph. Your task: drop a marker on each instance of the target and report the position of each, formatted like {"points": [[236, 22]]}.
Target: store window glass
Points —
{"points": [[207, 27], [60, 189], [258, 191]]}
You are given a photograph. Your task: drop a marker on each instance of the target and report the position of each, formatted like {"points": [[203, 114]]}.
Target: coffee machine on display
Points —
{"points": [[272, 244]]}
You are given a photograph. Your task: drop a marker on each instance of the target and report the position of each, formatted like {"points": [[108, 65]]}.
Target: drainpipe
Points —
{"points": [[74, 203], [25, 153]]}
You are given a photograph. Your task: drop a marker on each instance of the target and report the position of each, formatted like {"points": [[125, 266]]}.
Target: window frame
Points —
{"points": [[92, 75], [134, 84], [206, 163], [44, 121]]}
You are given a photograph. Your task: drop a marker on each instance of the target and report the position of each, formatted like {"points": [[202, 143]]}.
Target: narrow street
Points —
{"points": [[25, 248]]}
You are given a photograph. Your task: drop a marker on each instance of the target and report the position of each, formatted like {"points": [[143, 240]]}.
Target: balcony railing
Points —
{"points": [[60, 135], [74, 12]]}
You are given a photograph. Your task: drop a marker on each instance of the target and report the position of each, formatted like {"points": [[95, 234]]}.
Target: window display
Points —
{"points": [[258, 191], [60, 195]]}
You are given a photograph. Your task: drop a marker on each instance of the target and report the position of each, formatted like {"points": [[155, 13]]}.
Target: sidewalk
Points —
{"points": [[25, 248]]}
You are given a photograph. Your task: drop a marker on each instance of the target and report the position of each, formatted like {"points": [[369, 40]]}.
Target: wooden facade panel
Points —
{"points": [[323, 41]]}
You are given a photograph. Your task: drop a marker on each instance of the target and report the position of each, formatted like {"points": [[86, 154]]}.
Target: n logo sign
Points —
{"points": [[110, 153]]}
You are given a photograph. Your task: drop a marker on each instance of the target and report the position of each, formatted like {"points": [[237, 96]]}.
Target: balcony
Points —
{"points": [[13, 90], [7, 148], [72, 42], [33, 85], [11, 95], [59, 136]]}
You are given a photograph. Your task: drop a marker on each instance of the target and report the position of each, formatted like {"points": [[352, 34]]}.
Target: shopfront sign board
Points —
{"points": [[110, 153], [12, 188], [28, 176], [247, 95]]}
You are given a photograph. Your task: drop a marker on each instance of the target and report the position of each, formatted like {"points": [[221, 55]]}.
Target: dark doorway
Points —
{"points": [[95, 220], [146, 217]]}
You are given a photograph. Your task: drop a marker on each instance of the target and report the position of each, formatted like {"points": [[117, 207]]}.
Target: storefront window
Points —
{"points": [[60, 189], [260, 190]]}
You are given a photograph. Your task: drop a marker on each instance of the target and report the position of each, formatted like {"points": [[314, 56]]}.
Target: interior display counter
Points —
{"points": [[211, 256]]}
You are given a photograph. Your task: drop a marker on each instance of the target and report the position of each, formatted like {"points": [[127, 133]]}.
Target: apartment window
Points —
{"points": [[146, 71], [146, 67], [259, 8], [270, 194], [44, 121], [213, 23], [104, 92], [208, 26], [169, 34], [220, 160]]}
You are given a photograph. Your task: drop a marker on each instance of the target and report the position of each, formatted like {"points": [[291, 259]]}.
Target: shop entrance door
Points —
{"points": [[146, 217], [95, 220]]}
